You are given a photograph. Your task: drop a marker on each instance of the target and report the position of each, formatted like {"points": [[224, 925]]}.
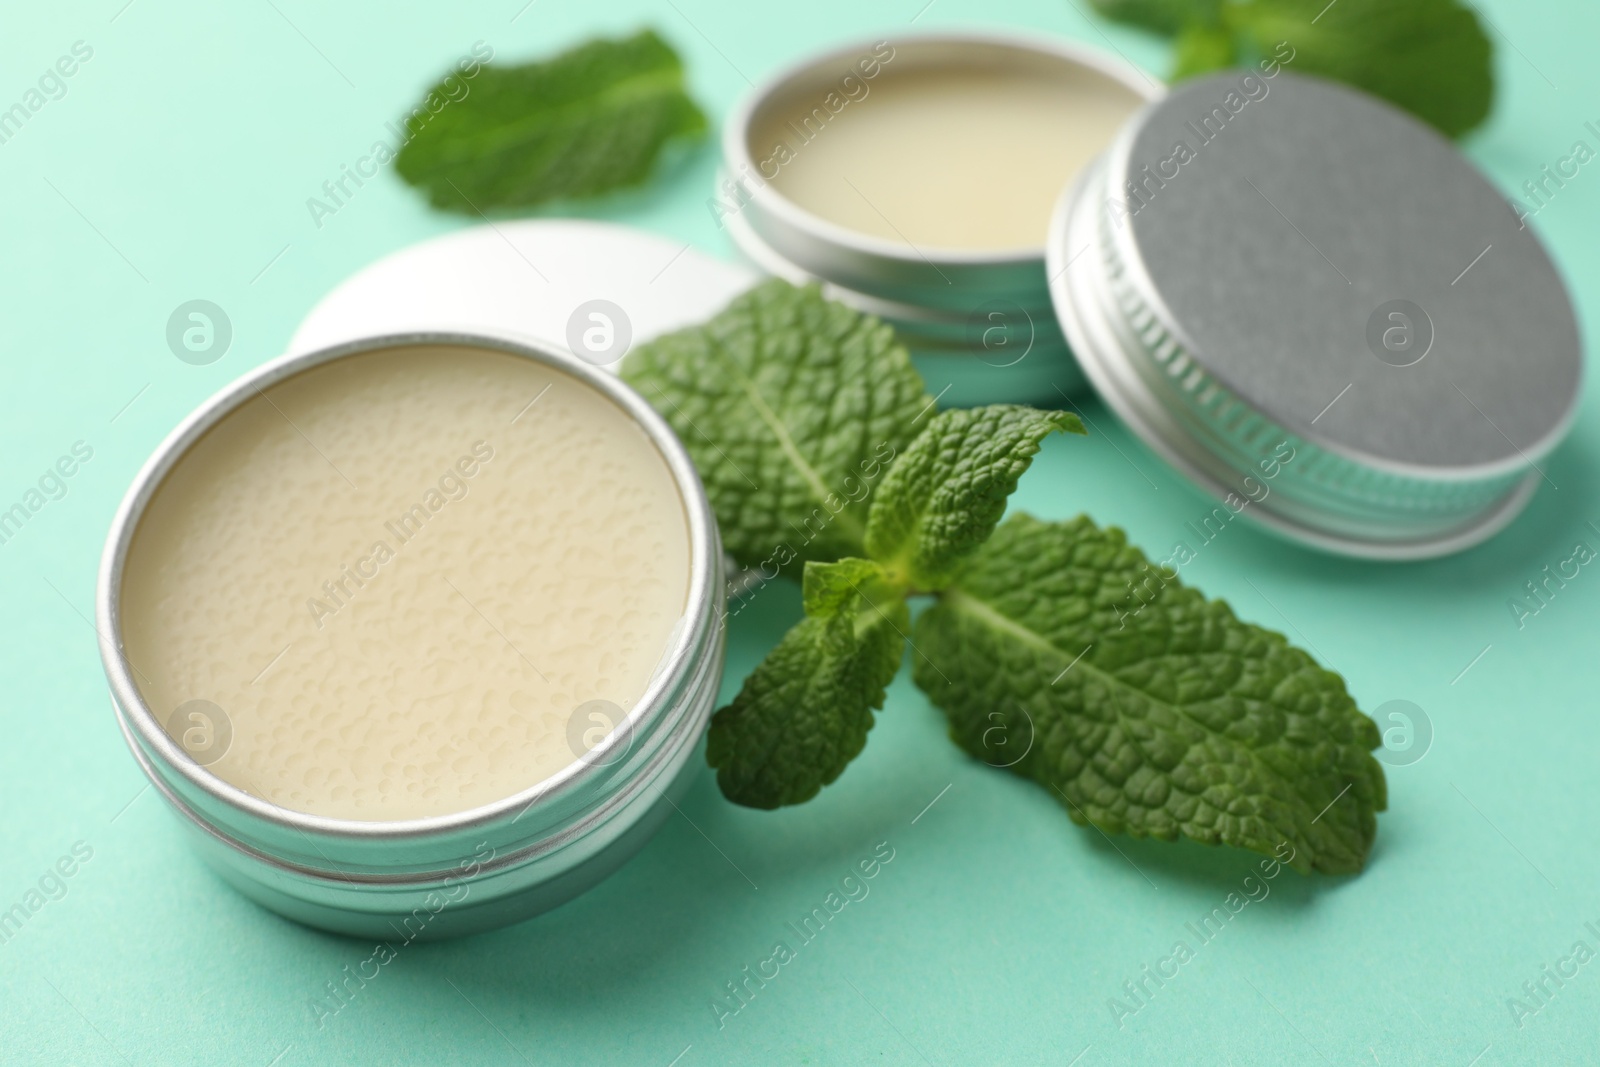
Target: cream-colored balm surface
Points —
{"points": [[970, 158], [398, 575]]}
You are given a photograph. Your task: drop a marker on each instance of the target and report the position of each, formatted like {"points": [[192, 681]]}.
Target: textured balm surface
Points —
{"points": [[399, 573], [969, 157]]}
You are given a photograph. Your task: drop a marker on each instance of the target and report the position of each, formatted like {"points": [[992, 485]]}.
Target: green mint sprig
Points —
{"points": [[792, 408], [1430, 57], [1055, 650], [590, 120], [1062, 653], [805, 712]]}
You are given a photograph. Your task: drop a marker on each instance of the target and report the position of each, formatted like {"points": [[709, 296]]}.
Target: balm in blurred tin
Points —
{"points": [[915, 178]]}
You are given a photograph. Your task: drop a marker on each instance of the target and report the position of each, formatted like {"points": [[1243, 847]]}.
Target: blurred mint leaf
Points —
{"points": [[1169, 17], [1430, 57], [792, 407], [942, 498], [1144, 707], [1202, 48], [592, 119], [803, 714]]}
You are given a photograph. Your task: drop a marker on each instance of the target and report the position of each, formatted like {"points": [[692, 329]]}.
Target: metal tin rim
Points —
{"points": [[699, 607], [1116, 153], [736, 148], [674, 756], [924, 323], [1072, 276]]}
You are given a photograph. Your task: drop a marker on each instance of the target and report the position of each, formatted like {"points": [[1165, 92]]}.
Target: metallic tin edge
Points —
{"points": [[1111, 390], [737, 159], [669, 762], [1115, 161], [904, 317], [705, 550]]}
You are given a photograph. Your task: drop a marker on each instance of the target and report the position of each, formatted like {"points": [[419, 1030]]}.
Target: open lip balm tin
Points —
{"points": [[811, 184], [467, 870]]}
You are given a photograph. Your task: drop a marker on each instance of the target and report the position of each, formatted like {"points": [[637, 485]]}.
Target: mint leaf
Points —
{"points": [[791, 407], [1201, 47], [830, 588], [1163, 16], [590, 120], [1430, 57], [804, 712], [1144, 707], [943, 497]]}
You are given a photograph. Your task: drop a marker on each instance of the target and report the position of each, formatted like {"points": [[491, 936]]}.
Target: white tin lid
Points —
{"points": [[530, 280]]}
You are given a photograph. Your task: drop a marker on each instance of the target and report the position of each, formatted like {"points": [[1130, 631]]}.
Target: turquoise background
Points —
{"points": [[177, 166]]}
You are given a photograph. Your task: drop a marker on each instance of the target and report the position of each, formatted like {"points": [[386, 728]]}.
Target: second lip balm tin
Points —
{"points": [[914, 177], [1257, 265]]}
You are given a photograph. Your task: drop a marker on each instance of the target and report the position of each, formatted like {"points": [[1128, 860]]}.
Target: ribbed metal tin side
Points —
{"points": [[1370, 492], [996, 352]]}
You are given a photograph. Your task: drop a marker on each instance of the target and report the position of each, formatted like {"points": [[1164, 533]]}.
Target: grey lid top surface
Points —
{"points": [[1279, 251]]}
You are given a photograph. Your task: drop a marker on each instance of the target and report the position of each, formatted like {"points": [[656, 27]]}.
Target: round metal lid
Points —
{"points": [[1265, 260]]}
